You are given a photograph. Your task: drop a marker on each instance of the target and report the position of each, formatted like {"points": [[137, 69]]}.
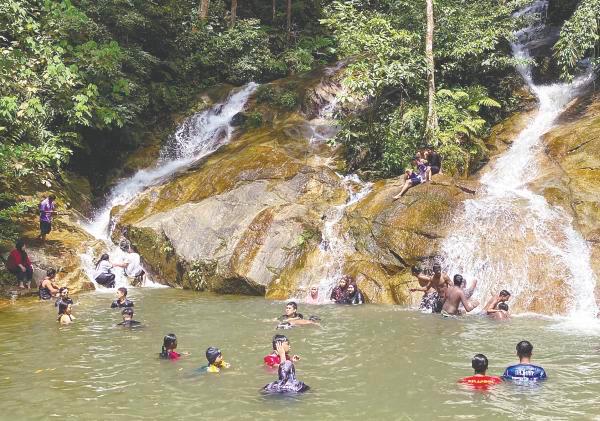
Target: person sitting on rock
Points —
{"points": [[353, 295], [339, 292], [434, 162], [48, 288], [18, 264], [411, 179]]}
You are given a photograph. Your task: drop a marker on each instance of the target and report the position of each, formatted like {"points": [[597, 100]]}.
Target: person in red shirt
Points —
{"points": [[18, 264], [480, 380], [273, 359]]}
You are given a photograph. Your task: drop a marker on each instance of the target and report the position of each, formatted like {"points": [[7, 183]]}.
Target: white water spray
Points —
{"points": [[198, 137], [509, 237]]}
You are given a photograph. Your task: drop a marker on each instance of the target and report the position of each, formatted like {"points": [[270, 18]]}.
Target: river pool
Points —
{"points": [[367, 362]]}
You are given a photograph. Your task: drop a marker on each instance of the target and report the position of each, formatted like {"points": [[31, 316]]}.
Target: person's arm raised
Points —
{"points": [[469, 305]]}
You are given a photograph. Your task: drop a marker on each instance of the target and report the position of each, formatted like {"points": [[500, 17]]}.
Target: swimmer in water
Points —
{"points": [[128, 321], [524, 371], [433, 287], [273, 359], [64, 313], [493, 309], [169, 346], [121, 300], [480, 380], [454, 296], [313, 296], [63, 295], [287, 382], [215, 361], [292, 316]]}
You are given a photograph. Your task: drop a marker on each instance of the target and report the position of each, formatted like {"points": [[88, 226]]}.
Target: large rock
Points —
{"points": [[573, 171]]}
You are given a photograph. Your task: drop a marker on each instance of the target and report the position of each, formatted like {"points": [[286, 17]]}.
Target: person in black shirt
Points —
{"points": [[434, 162], [63, 296], [121, 300], [128, 321]]}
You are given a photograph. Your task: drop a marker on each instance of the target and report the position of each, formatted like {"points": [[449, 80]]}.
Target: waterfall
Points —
{"points": [[197, 137], [509, 237]]}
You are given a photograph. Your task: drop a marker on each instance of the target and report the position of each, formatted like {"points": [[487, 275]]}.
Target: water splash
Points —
{"points": [[198, 136], [509, 237]]}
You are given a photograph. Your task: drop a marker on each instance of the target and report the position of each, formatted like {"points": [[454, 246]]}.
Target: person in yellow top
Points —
{"points": [[215, 361]]}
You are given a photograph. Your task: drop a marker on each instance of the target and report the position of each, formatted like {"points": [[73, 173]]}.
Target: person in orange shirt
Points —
{"points": [[480, 380]]}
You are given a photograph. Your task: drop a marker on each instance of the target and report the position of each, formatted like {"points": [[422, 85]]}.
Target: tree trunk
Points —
{"points": [[289, 19], [432, 121], [233, 12], [203, 12], [274, 10]]}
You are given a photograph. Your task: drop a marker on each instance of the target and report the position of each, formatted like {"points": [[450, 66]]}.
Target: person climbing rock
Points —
{"points": [[18, 264]]}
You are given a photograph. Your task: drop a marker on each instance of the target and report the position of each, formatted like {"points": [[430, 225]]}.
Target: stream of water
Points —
{"points": [[508, 236]]}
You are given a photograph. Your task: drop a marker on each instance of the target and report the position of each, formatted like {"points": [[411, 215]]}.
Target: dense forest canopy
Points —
{"points": [[81, 77]]}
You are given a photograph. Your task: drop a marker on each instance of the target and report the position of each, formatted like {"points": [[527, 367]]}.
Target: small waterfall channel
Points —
{"points": [[509, 237], [196, 138]]}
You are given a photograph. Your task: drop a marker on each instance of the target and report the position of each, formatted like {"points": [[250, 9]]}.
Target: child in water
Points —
{"points": [[287, 382], [274, 359], [215, 361], [480, 380], [64, 313], [168, 349]]}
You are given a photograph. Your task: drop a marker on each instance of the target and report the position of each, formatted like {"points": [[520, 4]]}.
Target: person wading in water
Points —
{"points": [[434, 288]]}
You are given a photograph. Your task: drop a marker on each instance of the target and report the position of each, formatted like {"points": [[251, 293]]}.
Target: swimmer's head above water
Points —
{"points": [[281, 339], [502, 306], [437, 268], [291, 309], [170, 341], [479, 364], [524, 349], [504, 295], [127, 313], [458, 280], [214, 356]]}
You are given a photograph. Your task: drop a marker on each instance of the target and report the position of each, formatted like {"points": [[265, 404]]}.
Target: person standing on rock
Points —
{"points": [[434, 288], [18, 264], [47, 209]]}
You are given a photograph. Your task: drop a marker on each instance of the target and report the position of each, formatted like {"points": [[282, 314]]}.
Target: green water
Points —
{"points": [[369, 362]]}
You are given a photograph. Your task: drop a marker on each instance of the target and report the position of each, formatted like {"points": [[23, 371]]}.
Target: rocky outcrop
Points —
{"points": [[572, 170]]}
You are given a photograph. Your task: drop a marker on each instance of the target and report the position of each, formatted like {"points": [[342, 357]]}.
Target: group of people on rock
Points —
{"points": [[347, 292], [525, 371], [441, 295], [131, 264], [426, 162]]}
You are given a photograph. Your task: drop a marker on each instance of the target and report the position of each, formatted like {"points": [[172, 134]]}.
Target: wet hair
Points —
{"points": [[62, 289], [503, 306], [123, 290], [279, 339], [479, 363], [505, 293], [52, 197], [415, 270], [212, 354], [127, 311], [458, 280], [293, 304], [103, 257], [314, 318], [51, 273], [524, 349], [62, 307], [436, 266], [124, 245], [169, 342]]}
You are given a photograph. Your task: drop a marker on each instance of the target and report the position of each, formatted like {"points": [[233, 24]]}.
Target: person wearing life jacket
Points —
{"points": [[480, 380], [215, 361], [524, 371], [47, 288], [18, 264]]}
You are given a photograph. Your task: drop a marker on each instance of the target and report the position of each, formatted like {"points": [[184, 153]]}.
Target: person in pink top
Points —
{"points": [[313, 295], [46, 211]]}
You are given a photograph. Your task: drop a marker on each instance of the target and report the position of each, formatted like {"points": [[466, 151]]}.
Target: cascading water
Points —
{"points": [[198, 136], [509, 237]]}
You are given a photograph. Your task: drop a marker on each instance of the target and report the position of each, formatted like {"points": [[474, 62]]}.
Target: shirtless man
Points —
{"points": [[493, 309], [434, 288], [455, 295]]}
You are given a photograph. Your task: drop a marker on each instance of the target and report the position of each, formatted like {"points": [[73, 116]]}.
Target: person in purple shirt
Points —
{"points": [[524, 371], [46, 211]]}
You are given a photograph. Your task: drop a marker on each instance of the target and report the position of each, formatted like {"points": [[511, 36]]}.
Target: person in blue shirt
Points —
{"points": [[524, 371]]}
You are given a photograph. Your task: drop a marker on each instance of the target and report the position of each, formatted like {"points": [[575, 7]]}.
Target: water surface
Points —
{"points": [[369, 362]]}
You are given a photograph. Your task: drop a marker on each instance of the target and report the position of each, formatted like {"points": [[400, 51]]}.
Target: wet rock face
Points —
{"points": [[573, 168]]}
